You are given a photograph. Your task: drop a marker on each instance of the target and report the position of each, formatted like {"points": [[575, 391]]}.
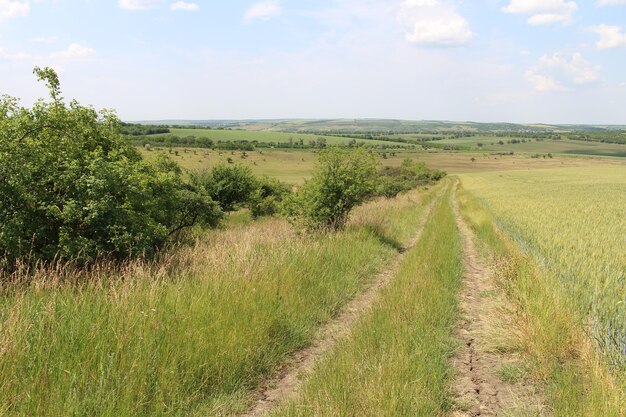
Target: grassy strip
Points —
{"points": [[189, 336], [553, 337], [396, 361]]}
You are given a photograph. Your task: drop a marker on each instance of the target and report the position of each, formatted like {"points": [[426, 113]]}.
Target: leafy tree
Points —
{"points": [[229, 186], [72, 188], [266, 198], [343, 180]]}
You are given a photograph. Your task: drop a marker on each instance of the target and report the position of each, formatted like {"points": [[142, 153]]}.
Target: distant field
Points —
{"points": [[264, 136], [295, 166], [571, 147]]}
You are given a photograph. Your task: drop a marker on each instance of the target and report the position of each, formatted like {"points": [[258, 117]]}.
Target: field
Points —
{"points": [[573, 220], [241, 258], [190, 335], [263, 136], [498, 290], [557, 239], [564, 146], [294, 166]]}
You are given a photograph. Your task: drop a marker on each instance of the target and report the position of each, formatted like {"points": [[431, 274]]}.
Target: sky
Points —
{"points": [[523, 61]]}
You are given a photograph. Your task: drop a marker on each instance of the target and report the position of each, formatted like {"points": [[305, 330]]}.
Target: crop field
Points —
{"points": [[573, 223], [564, 146]]}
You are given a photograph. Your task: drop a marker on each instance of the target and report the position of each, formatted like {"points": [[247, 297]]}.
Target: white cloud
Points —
{"points": [[181, 5], [263, 10], [44, 39], [139, 4], [543, 12], [562, 72], [19, 56], [610, 2], [74, 52], [622, 84], [432, 23], [610, 36], [12, 9]]}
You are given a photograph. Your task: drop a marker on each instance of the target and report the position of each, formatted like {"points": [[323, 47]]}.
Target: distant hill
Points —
{"points": [[387, 126]]}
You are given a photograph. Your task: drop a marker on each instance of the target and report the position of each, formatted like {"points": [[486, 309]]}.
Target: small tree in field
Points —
{"points": [[343, 180]]}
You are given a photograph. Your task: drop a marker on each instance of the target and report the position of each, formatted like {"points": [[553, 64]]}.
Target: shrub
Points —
{"points": [[230, 186], [72, 188], [396, 180], [343, 180], [266, 198]]}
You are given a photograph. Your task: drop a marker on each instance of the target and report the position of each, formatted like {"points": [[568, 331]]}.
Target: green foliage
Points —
{"points": [[343, 180], [131, 129], [266, 198], [396, 180], [230, 186], [71, 188]]}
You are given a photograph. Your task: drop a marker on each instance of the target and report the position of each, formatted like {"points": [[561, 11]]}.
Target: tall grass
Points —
{"points": [[552, 334], [395, 363], [190, 335]]}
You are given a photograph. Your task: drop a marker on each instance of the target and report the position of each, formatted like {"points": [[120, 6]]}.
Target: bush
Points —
{"points": [[396, 180], [230, 186], [72, 188], [343, 180], [266, 198]]}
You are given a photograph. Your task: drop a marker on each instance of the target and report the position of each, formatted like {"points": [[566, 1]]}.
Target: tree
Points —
{"points": [[266, 198], [343, 180], [229, 186], [72, 188]]}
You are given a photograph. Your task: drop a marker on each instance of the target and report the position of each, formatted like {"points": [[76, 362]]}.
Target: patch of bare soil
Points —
{"points": [[490, 374], [286, 384]]}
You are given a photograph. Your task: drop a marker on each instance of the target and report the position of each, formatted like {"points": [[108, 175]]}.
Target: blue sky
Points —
{"points": [[553, 61]]}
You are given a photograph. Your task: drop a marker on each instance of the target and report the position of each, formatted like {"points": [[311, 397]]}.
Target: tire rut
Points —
{"points": [[486, 355], [287, 382]]}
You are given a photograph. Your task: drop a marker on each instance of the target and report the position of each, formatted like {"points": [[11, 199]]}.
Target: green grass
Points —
{"points": [[396, 362], [190, 335], [567, 147]]}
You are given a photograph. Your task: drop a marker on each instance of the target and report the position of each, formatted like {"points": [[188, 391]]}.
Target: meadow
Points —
{"points": [[191, 334], [563, 146], [295, 166]]}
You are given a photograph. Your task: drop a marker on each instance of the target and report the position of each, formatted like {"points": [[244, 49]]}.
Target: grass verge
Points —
{"points": [[396, 361]]}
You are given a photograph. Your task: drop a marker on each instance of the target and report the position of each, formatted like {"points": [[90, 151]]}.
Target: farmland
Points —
{"points": [[294, 166], [561, 234], [272, 208], [306, 280]]}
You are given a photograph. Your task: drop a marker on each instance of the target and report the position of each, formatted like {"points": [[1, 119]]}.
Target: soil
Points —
{"points": [[490, 378]]}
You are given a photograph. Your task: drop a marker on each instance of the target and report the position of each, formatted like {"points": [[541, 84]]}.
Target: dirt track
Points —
{"points": [[286, 384], [487, 356]]}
